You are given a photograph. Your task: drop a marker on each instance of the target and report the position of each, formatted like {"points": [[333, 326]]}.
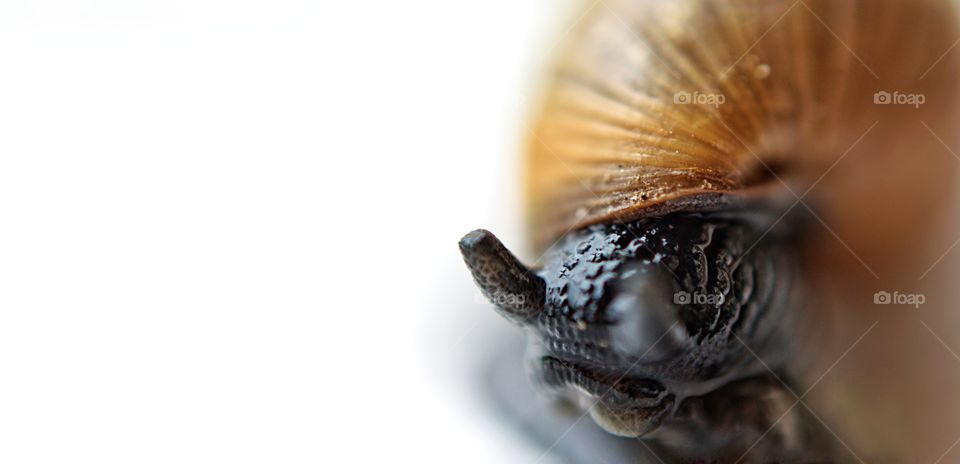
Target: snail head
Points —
{"points": [[646, 325]]}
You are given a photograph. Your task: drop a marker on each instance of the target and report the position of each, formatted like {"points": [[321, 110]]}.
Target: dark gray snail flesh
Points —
{"points": [[676, 329]]}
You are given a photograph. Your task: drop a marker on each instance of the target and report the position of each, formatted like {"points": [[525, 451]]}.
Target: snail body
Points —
{"points": [[674, 174]]}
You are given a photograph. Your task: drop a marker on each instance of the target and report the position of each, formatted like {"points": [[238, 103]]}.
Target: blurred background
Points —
{"points": [[228, 229]]}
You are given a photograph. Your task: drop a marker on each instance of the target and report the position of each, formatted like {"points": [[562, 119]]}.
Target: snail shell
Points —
{"points": [[660, 106]]}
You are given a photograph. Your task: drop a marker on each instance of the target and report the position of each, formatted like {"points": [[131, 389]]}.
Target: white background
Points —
{"points": [[228, 228]]}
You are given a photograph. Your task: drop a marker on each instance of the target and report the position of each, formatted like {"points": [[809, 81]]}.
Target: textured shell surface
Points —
{"points": [[655, 106]]}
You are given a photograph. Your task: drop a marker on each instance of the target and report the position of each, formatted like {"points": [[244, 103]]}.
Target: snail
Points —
{"points": [[690, 182]]}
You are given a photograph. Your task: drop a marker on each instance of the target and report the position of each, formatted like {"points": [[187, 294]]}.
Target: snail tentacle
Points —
{"points": [[516, 291]]}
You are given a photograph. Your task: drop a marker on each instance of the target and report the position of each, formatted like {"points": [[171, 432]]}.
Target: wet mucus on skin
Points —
{"points": [[698, 254]]}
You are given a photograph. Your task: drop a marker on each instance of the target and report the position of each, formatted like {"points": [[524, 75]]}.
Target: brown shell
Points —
{"points": [[615, 139]]}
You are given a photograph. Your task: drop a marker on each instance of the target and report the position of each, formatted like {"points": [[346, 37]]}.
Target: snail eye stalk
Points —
{"points": [[516, 291]]}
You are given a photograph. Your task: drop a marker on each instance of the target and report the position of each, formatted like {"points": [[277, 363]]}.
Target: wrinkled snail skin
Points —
{"points": [[664, 328], [653, 320], [666, 162]]}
